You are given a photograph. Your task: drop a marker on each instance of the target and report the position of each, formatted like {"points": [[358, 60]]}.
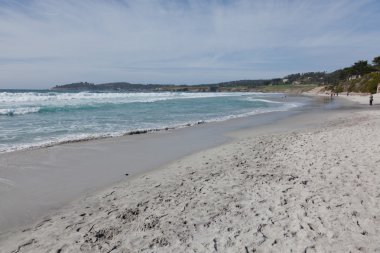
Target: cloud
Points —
{"points": [[53, 42]]}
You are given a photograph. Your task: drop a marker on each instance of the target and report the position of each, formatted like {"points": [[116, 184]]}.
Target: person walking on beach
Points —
{"points": [[370, 99]]}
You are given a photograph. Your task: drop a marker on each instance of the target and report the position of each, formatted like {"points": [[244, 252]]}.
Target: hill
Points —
{"points": [[363, 84], [124, 86], [232, 86], [360, 77]]}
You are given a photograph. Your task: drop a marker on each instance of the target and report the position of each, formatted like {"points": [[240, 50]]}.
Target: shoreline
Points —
{"points": [[225, 132], [268, 188], [44, 179]]}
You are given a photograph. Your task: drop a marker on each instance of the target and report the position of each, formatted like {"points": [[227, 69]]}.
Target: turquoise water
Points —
{"points": [[42, 118]]}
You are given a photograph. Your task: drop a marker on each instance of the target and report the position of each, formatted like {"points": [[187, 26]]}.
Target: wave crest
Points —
{"points": [[19, 111]]}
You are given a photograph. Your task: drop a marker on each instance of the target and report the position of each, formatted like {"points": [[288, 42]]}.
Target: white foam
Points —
{"points": [[263, 100], [30, 102], [33, 97], [6, 181], [285, 107], [19, 111], [19, 103]]}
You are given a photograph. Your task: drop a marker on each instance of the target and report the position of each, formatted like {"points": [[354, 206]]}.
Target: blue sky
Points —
{"points": [[48, 42]]}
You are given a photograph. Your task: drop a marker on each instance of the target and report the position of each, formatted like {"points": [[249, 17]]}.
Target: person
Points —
{"points": [[370, 99]]}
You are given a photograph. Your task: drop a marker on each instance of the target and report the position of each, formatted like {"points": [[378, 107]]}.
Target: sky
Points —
{"points": [[44, 43]]}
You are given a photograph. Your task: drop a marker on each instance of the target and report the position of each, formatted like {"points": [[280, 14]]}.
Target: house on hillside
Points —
{"points": [[353, 77]]}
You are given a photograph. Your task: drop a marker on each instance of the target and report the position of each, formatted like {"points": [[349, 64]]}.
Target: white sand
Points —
{"points": [[304, 191], [360, 98], [363, 98]]}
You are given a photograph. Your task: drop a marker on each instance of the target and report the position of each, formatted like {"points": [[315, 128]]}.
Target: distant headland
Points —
{"points": [[360, 77]]}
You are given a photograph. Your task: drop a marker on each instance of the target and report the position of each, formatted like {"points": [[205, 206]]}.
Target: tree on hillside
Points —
{"points": [[360, 68], [376, 61]]}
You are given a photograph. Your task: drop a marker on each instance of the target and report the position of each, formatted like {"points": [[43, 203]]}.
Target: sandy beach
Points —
{"points": [[163, 126], [282, 188], [363, 99]]}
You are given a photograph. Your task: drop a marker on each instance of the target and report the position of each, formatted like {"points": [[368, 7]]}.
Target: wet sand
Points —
{"points": [[304, 182]]}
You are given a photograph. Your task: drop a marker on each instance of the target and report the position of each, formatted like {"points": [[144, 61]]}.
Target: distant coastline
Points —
{"points": [[272, 85], [361, 77]]}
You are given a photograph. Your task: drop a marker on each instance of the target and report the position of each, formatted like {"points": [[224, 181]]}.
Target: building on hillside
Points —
{"points": [[354, 77]]}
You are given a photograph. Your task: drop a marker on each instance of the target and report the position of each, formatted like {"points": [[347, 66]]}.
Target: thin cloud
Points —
{"points": [[180, 41]]}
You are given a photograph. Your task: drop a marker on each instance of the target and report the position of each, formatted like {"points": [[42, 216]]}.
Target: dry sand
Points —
{"points": [[315, 190], [359, 98], [363, 98]]}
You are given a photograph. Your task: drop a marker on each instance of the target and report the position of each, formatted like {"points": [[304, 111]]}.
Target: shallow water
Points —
{"points": [[43, 118]]}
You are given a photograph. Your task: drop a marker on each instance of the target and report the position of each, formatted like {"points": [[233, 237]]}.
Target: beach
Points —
{"points": [[56, 146], [305, 183], [363, 98], [163, 126]]}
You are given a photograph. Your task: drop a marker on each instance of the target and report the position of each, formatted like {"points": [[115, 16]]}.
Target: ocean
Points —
{"points": [[30, 119]]}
